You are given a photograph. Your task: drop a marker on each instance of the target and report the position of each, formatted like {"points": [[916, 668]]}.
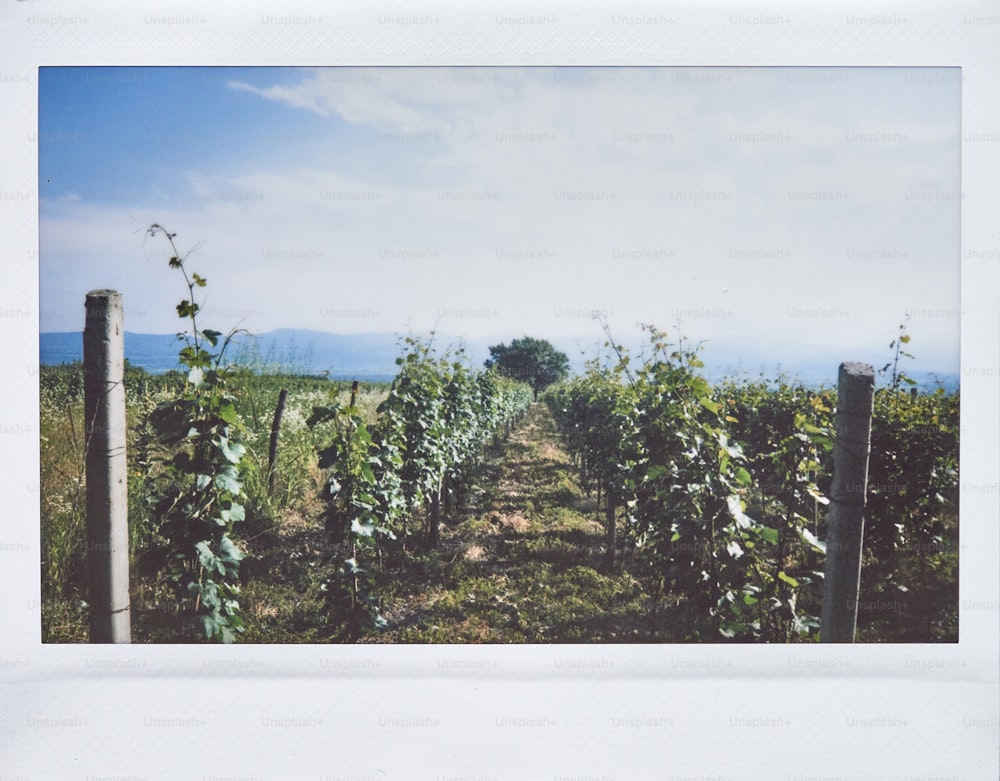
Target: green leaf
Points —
{"points": [[364, 529], [768, 534], [195, 357], [212, 336], [813, 491], [655, 471], [735, 507], [229, 551], [208, 559], [226, 481], [788, 579], [234, 514], [232, 451], [198, 280], [810, 539], [742, 476], [209, 625], [187, 309], [710, 405]]}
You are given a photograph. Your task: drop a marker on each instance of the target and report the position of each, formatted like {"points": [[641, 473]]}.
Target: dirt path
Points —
{"points": [[522, 564]]}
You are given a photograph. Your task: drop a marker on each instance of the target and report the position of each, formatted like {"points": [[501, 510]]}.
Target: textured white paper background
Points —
{"points": [[568, 712]]}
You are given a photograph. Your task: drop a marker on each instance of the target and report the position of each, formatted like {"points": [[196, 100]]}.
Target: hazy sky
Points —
{"points": [[778, 210]]}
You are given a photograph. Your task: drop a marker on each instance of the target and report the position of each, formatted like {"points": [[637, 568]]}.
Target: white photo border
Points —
{"points": [[497, 712]]}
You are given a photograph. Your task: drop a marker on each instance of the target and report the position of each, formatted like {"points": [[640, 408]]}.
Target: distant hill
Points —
{"points": [[372, 356], [361, 356]]}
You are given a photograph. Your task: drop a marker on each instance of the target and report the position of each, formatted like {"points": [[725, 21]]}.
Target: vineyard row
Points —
{"points": [[724, 489], [428, 435]]}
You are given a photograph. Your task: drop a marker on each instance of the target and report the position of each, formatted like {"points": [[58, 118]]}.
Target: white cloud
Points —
{"points": [[535, 195], [296, 97]]}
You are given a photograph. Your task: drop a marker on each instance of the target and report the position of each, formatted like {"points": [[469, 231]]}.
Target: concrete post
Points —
{"points": [[842, 573], [107, 475]]}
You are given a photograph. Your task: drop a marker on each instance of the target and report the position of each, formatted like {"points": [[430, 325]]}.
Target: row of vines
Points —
{"points": [[721, 492], [412, 463]]}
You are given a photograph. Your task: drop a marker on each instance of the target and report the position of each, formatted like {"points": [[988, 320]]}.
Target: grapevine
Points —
{"points": [[197, 486]]}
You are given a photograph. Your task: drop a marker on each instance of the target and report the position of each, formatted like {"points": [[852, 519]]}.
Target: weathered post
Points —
{"points": [[842, 573], [272, 450], [107, 475]]}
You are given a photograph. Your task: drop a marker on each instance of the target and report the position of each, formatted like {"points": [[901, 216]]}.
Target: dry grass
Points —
{"points": [[515, 521]]}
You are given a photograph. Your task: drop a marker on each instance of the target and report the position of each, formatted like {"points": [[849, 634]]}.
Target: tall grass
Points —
{"points": [[63, 503], [297, 478]]}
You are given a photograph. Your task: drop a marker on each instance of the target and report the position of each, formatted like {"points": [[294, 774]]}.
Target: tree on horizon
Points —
{"points": [[533, 361]]}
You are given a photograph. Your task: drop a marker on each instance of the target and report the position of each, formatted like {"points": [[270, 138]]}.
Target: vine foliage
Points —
{"points": [[388, 479], [661, 444], [196, 489]]}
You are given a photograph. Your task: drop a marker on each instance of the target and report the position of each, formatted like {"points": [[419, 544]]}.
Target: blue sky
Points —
{"points": [[779, 212]]}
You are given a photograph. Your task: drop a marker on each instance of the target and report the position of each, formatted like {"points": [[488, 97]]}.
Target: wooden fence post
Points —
{"points": [[272, 450], [842, 573], [106, 468]]}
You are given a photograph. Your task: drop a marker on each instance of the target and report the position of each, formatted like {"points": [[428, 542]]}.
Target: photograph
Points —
{"points": [[479, 392], [499, 355]]}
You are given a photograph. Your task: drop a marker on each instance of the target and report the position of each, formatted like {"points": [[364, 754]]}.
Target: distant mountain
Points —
{"points": [[360, 356], [372, 356]]}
